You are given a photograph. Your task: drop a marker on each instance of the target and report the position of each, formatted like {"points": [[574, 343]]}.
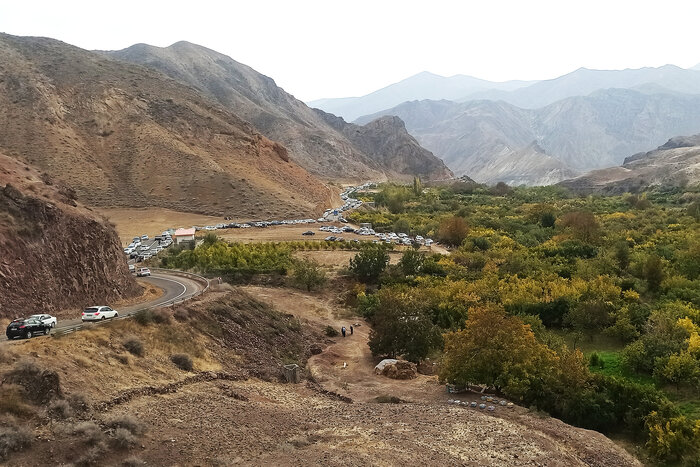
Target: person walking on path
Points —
{"points": [[351, 330], [343, 330]]}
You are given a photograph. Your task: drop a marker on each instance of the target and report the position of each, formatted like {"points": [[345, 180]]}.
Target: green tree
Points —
{"points": [[401, 326], [307, 273], [417, 186], [369, 264], [411, 262], [582, 224], [452, 231], [494, 349], [589, 316], [653, 272], [680, 369]]}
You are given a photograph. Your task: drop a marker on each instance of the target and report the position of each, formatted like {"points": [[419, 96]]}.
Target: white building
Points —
{"points": [[183, 235]]}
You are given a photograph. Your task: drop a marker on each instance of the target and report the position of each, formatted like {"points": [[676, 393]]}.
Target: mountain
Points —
{"points": [[424, 85], [387, 140], [125, 135], [583, 82], [311, 141], [677, 162], [576, 134], [56, 254]]}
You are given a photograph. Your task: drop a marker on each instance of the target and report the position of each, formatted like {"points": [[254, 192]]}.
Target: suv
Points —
{"points": [[98, 313], [143, 272], [26, 328]]}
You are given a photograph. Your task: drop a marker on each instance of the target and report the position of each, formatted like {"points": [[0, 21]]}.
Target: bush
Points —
{"points": [[308, 274], [369, 264], [123, 438], [88, 432], [162, 316], [128, 422], [143, 317], [181, 314], [60, 409], [182, 361], [134, 346], [93, 456], [331, 331], [133, 462], [13, 438], [78, 402], [452, 231]]}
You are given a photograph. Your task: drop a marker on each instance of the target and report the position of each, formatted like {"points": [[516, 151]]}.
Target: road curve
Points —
{"points": [[175, 288]]}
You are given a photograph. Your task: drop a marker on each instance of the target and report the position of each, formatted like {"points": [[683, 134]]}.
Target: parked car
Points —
{"points": [[98, 313], [144, 237], [46, 319], [26, 328], [132, 268], [309, 232], [142, 272]]}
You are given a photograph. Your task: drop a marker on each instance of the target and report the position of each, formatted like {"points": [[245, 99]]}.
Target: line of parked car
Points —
{"points": [[328, 215], [139, 250], [391, 237]]}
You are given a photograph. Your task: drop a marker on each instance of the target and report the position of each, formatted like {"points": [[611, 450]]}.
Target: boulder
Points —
{"points": [[396, 369]]}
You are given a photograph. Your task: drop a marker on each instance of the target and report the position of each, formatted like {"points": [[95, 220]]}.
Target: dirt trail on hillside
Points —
{"points": [[347, 367]]}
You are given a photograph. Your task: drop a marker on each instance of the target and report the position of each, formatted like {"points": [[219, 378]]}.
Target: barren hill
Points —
{"points": [[677, 162], [312, 142], [56, 253], [125, 135]]}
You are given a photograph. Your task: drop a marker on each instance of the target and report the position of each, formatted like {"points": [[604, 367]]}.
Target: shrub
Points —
{"points": [[133, 462], [128, 422], [162, 316], [13, 438], [452, 231], [93, 456], [60, 409], [369, 264], [88, 432], [40, 386], [134, 346], [78, 402], [123, 438], [144, 317], [308, 274], [182, 361], [181, 314], [12, 401], [331, 331]]}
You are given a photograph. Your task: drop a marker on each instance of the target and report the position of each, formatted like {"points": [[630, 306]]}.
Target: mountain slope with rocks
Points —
{"points": [[675, 163], [56, 254], [483, 138], [125, 135], [386, 139], [312, 142]]}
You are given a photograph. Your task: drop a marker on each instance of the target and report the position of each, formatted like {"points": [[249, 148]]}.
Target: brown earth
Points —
{"points": [[225, 415], [56, 254], [126, 136]]}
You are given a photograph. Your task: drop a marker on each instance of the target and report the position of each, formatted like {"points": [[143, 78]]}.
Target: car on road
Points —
{"points": [[46, 319], [142, 272], [26, 328], [132, 268], [309, 232], [98, 313]]}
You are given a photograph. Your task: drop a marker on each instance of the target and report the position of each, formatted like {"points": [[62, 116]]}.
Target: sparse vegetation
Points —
{"points": [[134, 346], [330, 331], [182, 361], [13, 437]]}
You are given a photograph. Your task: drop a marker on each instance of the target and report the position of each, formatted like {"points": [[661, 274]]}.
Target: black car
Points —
{"points": [[309, 232], [27, 328]]}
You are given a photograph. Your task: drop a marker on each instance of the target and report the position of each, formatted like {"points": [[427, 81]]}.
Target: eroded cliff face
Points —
{"points": [[54, 253]]}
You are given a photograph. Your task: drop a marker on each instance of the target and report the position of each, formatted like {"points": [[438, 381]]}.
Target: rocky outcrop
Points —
{"points": [[396, 369], [387, 142], [56, 254]]}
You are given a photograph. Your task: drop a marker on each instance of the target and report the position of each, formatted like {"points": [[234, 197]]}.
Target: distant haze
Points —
{"points": [[318, 49]]}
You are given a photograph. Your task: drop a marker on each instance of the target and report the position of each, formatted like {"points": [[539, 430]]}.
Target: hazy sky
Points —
{"points": [[327, 48]]}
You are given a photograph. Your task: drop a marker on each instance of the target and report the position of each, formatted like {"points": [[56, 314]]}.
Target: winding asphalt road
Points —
{"points": [[175, 288]]}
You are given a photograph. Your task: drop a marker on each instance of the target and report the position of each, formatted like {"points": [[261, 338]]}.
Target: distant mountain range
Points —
{"points": [[677, 162], [312, 142], [495, 141], [525, 94], [424, 85]]}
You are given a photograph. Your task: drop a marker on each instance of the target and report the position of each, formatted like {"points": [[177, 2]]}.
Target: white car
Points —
{"points": [[46, 319], [98, 313]]}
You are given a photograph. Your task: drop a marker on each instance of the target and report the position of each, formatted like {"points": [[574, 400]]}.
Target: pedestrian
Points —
{"points": [[351, 330], [343, 330]]}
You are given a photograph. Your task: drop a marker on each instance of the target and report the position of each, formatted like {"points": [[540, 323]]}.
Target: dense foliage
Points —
{"points": [[535, 279]]}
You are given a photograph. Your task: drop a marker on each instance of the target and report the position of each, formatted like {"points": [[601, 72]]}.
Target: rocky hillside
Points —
{"points": [[125, 135], [676, 163], [56, 254], [487, 139], [386, 141], [311, 141]]}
